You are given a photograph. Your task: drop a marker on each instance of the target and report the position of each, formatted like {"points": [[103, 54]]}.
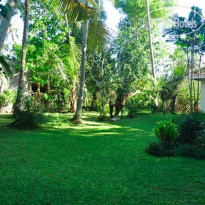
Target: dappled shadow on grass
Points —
{"points": [[92, 127], [94, 163]]}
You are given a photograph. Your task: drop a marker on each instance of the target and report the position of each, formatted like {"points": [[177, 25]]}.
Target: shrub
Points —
{"points": [[190, 150], [177, 118], [7, 97], [132, 107], [166, 131], [200, 141], [161, 149], [27, 119], [31, 116], [189, 127]]}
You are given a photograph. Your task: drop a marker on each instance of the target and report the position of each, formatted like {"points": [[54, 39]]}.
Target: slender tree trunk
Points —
{"points": [[152, 54], [111, 106], [150, 42], [5, 22], [173, 103], [20, 93], [120, 103], [73, 100], [198, 83], [77, 116], [94, 101], [191, 78]]}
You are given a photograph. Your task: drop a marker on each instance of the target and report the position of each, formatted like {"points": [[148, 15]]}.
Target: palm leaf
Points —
{"points": [[75, 10], [99, 35], [5, 65]]}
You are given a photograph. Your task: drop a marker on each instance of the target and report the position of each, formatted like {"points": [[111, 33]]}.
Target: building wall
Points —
{"points": [[203, 96]]}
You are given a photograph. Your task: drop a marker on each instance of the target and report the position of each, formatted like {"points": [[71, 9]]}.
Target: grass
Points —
{"points": [[94, 163]]}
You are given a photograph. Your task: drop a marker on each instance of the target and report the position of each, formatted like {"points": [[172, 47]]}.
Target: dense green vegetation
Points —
{"points": [[94, 163], [101, 116]]}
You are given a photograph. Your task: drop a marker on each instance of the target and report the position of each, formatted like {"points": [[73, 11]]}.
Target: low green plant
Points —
{"points": [[190, 150], [161, 149], [166, 131], [200, 140], [31, 116], [132, 107], [7, 97], [189, 128]]}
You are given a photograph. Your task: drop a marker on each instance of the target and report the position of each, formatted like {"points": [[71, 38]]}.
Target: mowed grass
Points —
{"points": [[94, 163]]}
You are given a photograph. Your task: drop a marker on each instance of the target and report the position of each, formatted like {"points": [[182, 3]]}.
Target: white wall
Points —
{"points": [[203, 96]]}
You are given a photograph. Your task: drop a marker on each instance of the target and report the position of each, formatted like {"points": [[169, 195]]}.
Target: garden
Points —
{"points": [[102, 102]]}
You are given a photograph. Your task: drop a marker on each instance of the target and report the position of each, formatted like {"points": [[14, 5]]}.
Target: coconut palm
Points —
{"points": [[21, 86], [87, 12]]}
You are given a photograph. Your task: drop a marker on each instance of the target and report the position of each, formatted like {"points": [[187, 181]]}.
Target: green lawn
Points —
{"points": [[92, 164]]}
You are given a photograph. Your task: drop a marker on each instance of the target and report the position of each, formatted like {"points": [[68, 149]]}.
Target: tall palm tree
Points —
{"points": [[150, 41], [21, 85], [5, 22], [78, 113], [76, 10]]}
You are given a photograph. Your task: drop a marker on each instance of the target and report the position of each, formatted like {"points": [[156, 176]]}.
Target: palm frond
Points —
{"points": [[5, 65], [99, 35], [75, 10]]}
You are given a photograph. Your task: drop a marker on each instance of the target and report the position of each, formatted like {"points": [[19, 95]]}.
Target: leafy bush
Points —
{"points": [[161, 149], [200, 141], [173, 149], [31, 116], [155, 108], [166, 131], [189, 127], [190, 150], [176, 119], [189, 143], [7, 97], [26, 119], [132, 107]]}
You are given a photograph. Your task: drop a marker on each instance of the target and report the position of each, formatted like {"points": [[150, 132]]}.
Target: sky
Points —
{"points": [[113, 16]]}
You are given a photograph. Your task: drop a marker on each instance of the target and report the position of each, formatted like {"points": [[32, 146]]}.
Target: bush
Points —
{"points": [[132, 107], [200, 141], [27, 119], [31, 116], [173, 149], [166, 131], [7, 97], [155, 108], [161, 149], [176, 119], [189, 127], [189, 143], [190, 150]]}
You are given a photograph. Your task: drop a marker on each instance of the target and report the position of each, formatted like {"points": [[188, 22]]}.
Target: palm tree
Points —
{"points": [[21, 86], [5, 22], [78, 113], [82, 11]]}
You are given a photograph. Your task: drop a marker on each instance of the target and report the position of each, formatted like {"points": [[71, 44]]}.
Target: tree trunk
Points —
{"points": [[5, 22], [77, 116], [94, 101], [191, 77], [111, 106], [198, 83], [120, 103], [20, 92], [150, 42], [104, 99], [173, 103], [73, 100], [48, 93]]}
